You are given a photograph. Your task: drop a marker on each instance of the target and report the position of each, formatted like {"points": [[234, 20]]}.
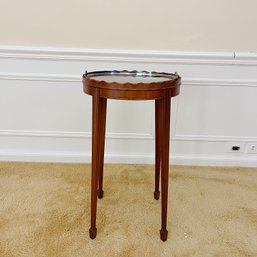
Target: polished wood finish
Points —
{"points": [[102, 143], [96, 104], [161, 92], [158, 147], [165, 164], [131, 91]]}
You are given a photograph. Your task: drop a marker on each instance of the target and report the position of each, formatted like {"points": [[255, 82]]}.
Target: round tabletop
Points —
{"points": [[131, 85]]}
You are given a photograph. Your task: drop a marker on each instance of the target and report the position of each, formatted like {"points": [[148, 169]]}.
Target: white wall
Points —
{"points": [[45, 116], [199, 25]]}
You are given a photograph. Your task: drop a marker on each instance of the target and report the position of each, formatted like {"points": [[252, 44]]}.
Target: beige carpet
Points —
{"points": [[44, 212]]}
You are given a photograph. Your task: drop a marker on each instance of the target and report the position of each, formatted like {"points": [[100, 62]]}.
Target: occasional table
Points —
{"points": [[131, 85]]}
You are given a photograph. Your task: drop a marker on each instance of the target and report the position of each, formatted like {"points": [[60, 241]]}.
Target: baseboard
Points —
{"points": [[212, 160], [79, 157]]}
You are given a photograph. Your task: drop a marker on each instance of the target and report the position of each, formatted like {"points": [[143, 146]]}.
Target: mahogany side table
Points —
{"points": [[131, 85]]}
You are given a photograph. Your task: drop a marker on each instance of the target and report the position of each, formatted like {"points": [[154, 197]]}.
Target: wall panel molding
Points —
{"points": [[56, 73], [71, 134], [212, 138], [39, 77], [75, 78]]}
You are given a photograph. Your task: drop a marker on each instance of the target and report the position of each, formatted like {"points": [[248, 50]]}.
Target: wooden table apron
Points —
{"points": [[161, 93]]}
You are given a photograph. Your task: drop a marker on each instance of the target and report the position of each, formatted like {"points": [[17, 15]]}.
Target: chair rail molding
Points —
{"points": [[125, 55]]}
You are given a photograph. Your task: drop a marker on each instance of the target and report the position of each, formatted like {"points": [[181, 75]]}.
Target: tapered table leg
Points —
{"points": [[95, 162], [165, 165], [103, 103], [158, 137]]}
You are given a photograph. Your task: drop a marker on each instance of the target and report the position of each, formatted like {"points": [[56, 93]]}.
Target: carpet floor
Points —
{"points": [[45, 212]]}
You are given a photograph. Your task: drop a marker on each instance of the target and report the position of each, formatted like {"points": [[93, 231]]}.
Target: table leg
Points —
{"points": [[95, 163], [103, 103], [158, 139], [165, 165]]}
